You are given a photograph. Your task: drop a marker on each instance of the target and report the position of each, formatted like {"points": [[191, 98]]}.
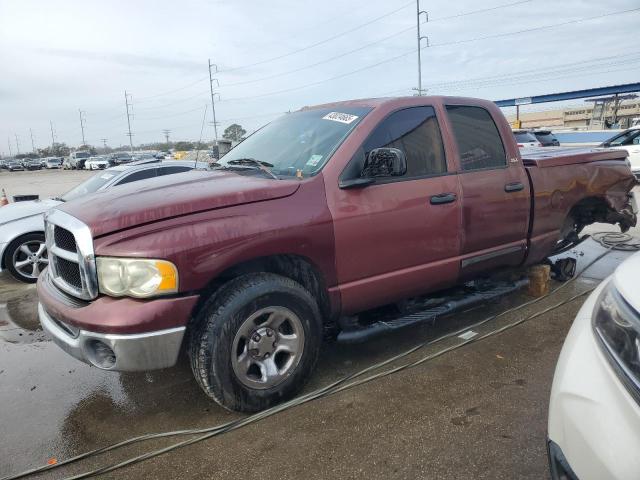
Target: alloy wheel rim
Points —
{"points": [[267, 347], [30, 258]]}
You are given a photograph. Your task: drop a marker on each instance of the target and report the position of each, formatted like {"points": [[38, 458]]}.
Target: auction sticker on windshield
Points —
{"points": [[340, 117]]}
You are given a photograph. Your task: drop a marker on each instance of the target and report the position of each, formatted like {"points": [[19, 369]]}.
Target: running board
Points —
{"points": [[361, 333]]}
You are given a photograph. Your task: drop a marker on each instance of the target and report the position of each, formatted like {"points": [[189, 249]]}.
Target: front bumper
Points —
{"points": [[136, 352], [141, 334], [593, 419]]}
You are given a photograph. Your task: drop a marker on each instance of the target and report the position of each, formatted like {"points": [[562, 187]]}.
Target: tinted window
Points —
{"points": [[477, 137], [172, 170], [524, 137], [139, 175], [415, 131], [545, 137], [625, 138]]}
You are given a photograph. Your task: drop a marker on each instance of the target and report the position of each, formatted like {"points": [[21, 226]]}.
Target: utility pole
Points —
{"points": [[166, 133], [9, 143], [53, 135], [104, 142], [213, 103], [82, 120], [33, 143], [420, 38], [17, 144], [127, 98]]}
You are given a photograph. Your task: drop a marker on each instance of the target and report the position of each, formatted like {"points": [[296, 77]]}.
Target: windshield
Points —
{"points": [[89, 186], [301, 140]]}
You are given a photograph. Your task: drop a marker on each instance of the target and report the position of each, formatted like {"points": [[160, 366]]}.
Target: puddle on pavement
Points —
{"points": [[19, 319]]}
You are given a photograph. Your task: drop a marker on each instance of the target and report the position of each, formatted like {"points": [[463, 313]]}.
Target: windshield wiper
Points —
{"points": [[252, 162], [58, 199]]}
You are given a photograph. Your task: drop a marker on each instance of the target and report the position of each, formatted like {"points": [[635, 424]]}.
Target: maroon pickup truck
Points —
{"points": [[324, 213]]}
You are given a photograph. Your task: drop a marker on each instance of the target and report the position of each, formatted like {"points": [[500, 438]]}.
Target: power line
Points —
{"points": [[104, 142], [17, 144], [82, 120], [127, 98], [213, 102], [412, 51], [166, 133], [321, 42], [33, 144]]}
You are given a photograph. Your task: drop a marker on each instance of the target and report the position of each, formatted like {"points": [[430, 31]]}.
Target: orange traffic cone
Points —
{"points": [[3, 199]]}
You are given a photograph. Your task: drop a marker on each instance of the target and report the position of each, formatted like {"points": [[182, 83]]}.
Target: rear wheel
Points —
{"points": [[26, 257], [256, 341]]}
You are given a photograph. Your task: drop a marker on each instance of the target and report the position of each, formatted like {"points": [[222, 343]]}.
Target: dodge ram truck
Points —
{"points": [[322, 214]]}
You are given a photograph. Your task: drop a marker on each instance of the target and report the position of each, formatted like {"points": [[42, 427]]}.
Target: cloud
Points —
{"points": [[124, 59]]}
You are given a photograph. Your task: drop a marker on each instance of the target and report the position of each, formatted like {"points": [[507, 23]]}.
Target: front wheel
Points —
{"points": [[26, 257], [256, 342]]}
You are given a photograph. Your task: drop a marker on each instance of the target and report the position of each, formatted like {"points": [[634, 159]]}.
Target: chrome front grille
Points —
{"points": [[72, 266]]}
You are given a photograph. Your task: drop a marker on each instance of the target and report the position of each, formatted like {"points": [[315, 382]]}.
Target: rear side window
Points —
{"points": [[524, 137], [139, 175], [172, 170], [415, 131], [479, 142]]}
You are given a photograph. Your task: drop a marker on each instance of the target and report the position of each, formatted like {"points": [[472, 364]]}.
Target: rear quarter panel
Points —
{"points": [[558, 188]]}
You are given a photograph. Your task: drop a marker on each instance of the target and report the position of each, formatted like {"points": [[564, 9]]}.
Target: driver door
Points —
{"points": [[400, 236]]}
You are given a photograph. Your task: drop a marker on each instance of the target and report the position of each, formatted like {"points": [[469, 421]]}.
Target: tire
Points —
{"points": [[218, 338], [15, 254]]}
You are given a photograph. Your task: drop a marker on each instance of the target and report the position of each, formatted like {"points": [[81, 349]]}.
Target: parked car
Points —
{"points": [[546, 138], [33, 164], [14, 166], [120, 158], [22, 225], [52, 162], [96, 163], [629, 140], [320, 215], [526, 139], [77, 160], [594, 412]]}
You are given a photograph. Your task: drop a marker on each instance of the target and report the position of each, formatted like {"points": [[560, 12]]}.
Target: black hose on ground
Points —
{"points": [[609, 240]]}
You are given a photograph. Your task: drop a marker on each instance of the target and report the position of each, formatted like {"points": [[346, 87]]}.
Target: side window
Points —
{"points": [[479, 142], [172, 170], [622, 139], [139, 175], [415, 131]]}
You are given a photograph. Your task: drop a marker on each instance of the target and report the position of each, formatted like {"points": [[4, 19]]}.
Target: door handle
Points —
{"points": [[443, 198], [513, 187]]}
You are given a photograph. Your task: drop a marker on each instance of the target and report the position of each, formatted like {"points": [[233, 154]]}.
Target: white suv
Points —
{"points": [[594, 412]]}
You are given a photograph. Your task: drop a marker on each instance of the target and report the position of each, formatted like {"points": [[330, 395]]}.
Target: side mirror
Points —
{"points": [[606, 144], [384, 162]]}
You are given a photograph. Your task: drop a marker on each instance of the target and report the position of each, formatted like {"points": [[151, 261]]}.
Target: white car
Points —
{"points": [[96, 163], [22, 249], [52, 162], [594, 412], [526, 139], [628, 140]]}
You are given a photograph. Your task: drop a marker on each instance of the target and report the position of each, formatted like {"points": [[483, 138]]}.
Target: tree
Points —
{"points": [[183, 146], [92, 150], [57, 150], [234, 132]]}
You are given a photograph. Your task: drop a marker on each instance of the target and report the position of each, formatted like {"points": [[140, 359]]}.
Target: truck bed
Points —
{"points": [[577, 174], [560, 156]]}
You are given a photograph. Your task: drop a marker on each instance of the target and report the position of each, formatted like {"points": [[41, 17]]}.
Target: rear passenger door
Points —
{"points": [[495, 192]]}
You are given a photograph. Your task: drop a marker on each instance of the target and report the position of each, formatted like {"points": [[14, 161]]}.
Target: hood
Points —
{"points": [[137, 203], [18, 210]]}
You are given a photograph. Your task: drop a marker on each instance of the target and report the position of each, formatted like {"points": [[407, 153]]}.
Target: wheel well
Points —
{"points": [[295, 267], [589, 210]]}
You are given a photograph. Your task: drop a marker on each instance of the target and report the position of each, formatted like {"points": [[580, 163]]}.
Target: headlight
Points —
{"points": [[136, 277], [617, 326]]}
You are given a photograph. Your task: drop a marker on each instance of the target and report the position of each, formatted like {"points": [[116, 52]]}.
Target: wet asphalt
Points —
{"points": [[476, 412]]}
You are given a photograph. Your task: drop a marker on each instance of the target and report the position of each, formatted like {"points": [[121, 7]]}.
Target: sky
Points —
{"points": [[60, 57]]}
